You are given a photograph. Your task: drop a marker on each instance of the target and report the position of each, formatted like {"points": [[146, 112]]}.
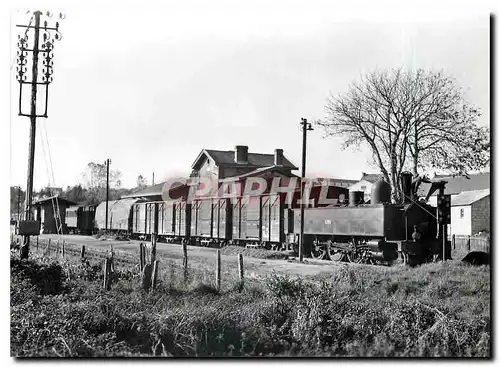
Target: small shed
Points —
{"points": [[46, 213]]}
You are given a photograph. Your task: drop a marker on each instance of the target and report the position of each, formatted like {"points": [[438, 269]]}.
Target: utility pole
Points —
{"points": [[153, 179], [108, 161], [18, 204], [305, 128], [30, 227]]}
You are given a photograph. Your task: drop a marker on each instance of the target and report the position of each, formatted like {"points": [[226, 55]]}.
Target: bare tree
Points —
{"points": [[142, 182], [94, 179], [410, 120]]}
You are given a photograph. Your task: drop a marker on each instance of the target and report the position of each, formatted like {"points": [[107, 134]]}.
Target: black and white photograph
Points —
{"points": [[242, 179]]}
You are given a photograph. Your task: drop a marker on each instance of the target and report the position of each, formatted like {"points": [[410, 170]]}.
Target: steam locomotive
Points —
{"points": [[375, 232]]}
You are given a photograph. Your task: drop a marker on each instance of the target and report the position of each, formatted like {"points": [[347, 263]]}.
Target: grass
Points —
{"points": [[258, 253], [435, 310]]}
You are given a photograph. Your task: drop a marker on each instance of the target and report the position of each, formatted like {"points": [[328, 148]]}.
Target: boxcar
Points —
{"points": [[222, 220], [166, 220], [139, 219], [120, 215], [183, 219], [72, 214], [201, 219]]}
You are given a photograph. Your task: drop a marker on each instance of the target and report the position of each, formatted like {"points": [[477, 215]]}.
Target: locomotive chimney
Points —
{"points": [[356, 198], [278, 157], [241, 154], [406, 178]]}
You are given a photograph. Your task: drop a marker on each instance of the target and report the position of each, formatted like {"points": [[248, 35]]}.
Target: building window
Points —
{"points": [[363, 188], [462, 212]]}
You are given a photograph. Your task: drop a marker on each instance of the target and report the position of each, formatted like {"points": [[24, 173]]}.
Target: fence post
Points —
{"points": [[185, 260], [141, 256], [37, 244], [153, 248], [112, 258], [155, 274], [48, 249], [240, 268], [106, 282], [468, 243], [453, 241], [63, 249], [217, 271], [82, 252], [146, 277]]}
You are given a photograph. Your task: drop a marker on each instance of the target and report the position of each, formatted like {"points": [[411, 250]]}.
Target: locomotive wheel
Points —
{"points": [[319, 251], [337, 256]]}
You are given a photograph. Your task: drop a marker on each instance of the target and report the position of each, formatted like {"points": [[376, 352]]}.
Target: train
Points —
{"points": [[263, 220], [80, 219], [350, 230]]}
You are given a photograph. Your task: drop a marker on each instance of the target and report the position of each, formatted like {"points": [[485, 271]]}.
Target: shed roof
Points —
{"points": [[371, 177], [226, 157], [469, 197], [60, 200]]}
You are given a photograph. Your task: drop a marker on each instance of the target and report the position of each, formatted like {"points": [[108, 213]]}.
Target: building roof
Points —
{"points": [[331, 180], [55, 198], [153, 190], [469, 197], [371, 177], [457, 184], [262, 170], [226, 158]]}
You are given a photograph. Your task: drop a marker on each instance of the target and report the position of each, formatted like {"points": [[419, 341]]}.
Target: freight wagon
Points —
{"points": [[80, 219]]}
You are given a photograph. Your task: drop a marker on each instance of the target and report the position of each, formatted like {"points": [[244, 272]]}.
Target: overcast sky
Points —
{"points": [[150, 86]]}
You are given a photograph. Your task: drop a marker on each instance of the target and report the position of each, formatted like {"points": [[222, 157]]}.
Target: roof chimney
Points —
{"points": [[278, 157], [241, 154]]}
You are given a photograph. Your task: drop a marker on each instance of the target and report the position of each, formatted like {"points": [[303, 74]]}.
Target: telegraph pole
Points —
{"points": [[29, 227], [305, 128], [108, 161], [18, 204]]}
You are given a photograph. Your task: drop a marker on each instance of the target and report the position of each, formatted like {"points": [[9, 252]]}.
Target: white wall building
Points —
{"points": [[470, 203], [365, 184]]}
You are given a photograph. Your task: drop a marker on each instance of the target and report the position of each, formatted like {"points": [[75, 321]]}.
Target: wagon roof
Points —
{"points": [[153, 190]]}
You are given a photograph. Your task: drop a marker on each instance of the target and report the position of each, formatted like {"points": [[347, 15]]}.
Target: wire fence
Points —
{"points": [[166, 269]]}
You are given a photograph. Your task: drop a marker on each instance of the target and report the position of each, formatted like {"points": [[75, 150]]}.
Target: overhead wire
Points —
{"points": [[51, 179], [60, 227]]}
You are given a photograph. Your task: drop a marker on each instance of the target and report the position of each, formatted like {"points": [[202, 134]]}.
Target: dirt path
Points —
{"points": [[202, 257]]}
